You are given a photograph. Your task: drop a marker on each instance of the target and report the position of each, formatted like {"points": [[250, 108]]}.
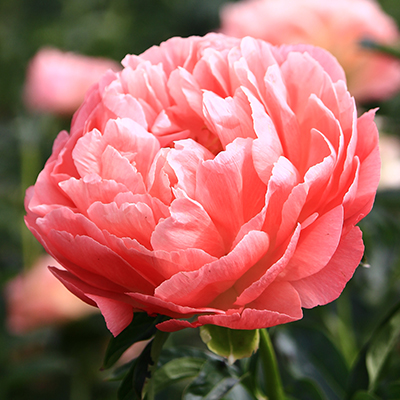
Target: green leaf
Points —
{"points": [[177, 370], [214, 381], [249, 379], [156, 348], [171, 353], [138, 379], [382, 344], [307, 389], [118, 374], [311, 354], [234, 344], [358, 379], [141, 328], [372, 357], [393, 390], [363, 395], [132, 385], [369, 44]]}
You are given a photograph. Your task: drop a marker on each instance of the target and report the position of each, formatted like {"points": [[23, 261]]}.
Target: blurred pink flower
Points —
{"points": [[213, 178], [336, 25], [389, 147], [36, 298], [57, 81]]}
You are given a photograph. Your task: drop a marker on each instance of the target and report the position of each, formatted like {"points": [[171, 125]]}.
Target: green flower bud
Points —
{"points": [[233, 344]]}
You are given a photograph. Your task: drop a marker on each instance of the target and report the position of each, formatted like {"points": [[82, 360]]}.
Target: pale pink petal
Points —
{"points": [[327, 284], [91, 188], [161, 177], [185, 159], [125, 221], [229, 118], [199, 288], [155, 305], [317, 244], [189, 226], [117, 168], [170, 263], [229, 188], [254, 286], [267, 147]]}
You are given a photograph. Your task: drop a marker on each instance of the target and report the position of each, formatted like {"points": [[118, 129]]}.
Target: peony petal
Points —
{"points": [[327, 284], [283, 117], [161, 177], [199, 288], [229, 118], [173, 325], [45, 195], [118, 315], [184, 159], [115, 167], [317, 244], [267, 147], [189, 226], [213, 70], [91, 188], [279, 304], [300, 70], [96, 258], [87, 152], [128, 220], [324, 58], [254, 286], [186, 93], [170, 263], [154, 305], [229, 189], [282, 186], [125, 106], [132, 141]]}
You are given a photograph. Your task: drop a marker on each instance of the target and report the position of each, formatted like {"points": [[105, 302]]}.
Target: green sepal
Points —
{"points": [[234, 344]]}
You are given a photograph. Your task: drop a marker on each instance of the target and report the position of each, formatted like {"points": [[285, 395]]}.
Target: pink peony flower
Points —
{"points": [[338, 26], [57, 82], [36, 299], [212, 179]]}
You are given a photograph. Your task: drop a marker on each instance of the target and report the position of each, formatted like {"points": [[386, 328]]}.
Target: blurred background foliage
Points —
{"points": [[64, 362]]}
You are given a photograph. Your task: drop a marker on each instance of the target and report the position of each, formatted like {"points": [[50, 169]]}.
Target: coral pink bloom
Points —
{"points": [[212, 179], [338, 26], [57, 82], [36, 299]]}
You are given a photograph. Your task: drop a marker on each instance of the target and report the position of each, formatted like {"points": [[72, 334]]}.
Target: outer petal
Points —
{"points": [[279, 304], [327, 284], [317, 244], [255, 287], [154, 305], [118, 314]]}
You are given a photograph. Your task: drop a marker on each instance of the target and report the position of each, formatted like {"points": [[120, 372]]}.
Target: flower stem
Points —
{"points": [[273, 383]]}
